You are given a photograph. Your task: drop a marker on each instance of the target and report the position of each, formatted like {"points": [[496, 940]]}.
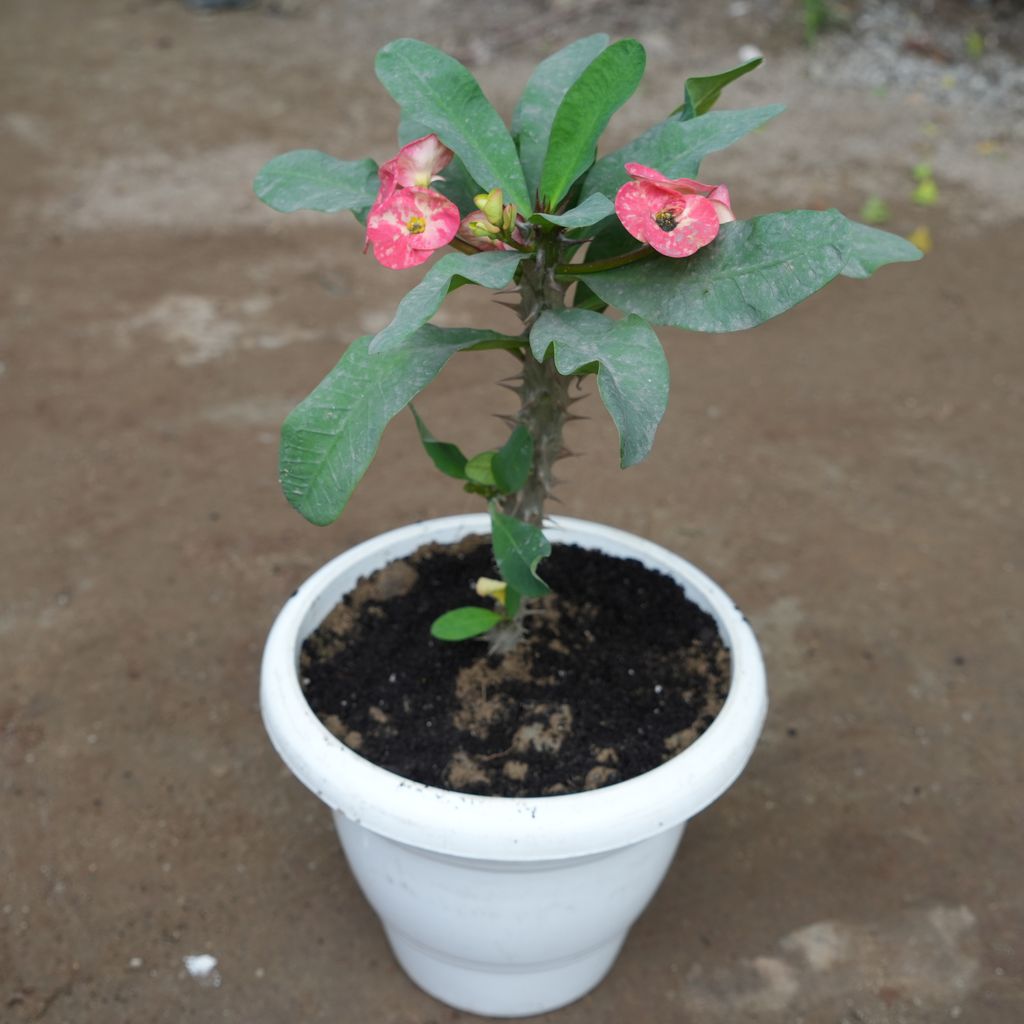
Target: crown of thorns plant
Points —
{"points": [[530, 208]]}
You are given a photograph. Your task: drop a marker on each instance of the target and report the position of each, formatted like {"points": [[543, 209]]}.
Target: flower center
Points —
{"points": [[666, 220], [415, 225]]}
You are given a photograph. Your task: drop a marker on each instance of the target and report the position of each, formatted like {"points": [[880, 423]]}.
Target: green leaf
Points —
{"points": [[632, 371], [584, 298], [531, 122], [464, 623], [480, 469], [611, 239], [330, 438], [703, 93], [752, 271], [676, 148], [513, 461], [518, 549], [605, 84], [445, 456], [871, 248], [592, 210], [306, 179], [436, 91], [490, 269]]}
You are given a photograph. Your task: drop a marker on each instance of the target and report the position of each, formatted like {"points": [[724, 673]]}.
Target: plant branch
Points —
{"points": [[598, 266]]}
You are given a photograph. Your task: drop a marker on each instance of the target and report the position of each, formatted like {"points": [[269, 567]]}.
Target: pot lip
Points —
{"points": [[494, 827]]}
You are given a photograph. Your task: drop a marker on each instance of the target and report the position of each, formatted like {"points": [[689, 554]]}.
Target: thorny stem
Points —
{"points": [[543, 409], [543, 392]]}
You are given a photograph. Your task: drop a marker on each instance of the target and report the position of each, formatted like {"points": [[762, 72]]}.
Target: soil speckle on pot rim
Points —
{"points": [[619, 672]]}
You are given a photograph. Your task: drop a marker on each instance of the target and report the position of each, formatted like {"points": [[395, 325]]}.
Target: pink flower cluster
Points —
{"points": [[409, 220], [676, 217]]}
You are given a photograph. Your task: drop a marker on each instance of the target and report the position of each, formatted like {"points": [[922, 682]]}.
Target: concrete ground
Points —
{"points": [[851, 473]]}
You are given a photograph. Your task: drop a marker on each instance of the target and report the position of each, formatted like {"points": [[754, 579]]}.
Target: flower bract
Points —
{"points": [[675, 216], [405, 229], [417, 165]]}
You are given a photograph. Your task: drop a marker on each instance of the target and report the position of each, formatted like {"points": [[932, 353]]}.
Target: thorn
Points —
{"points": [[506, 419], [510, 387], [514, 306], [515, 376], [570, 417]]}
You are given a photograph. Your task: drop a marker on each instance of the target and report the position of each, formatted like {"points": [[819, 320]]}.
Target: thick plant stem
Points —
{"points": [[543, 393], [544, 408]]}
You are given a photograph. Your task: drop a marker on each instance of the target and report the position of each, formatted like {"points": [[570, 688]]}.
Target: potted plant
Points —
{"points": [[516, 905]]}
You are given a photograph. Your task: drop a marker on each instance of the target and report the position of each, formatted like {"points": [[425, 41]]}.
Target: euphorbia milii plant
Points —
{"points": [[529, 208]]}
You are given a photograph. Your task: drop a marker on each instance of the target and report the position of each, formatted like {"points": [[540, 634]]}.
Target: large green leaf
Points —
{"points": [[489, 269], [518, 549], [330, 438], [306, 179], [871, 248], [675, 147], [703, 93], [752, 271], [632, 371], [531, 122], [436, 91], [605, 84]]}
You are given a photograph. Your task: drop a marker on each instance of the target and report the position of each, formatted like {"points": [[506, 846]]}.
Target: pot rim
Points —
{"points": [[494, 827]]}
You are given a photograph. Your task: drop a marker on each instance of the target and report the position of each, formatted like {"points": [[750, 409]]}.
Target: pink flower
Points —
{"points": [[409, 226], [675, 216], [416, 166], [718, 194]]}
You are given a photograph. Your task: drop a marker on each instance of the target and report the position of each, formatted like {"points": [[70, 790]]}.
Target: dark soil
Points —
{"points": [[618, 672]]}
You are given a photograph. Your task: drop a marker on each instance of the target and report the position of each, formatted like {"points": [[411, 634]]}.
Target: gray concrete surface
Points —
{"points": [[850, 472]]}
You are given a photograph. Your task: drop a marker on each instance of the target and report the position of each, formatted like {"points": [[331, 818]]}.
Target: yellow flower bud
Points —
{"points": [[498, 589]]}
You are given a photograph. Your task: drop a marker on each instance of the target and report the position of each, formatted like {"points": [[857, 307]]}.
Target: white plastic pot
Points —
{"points": [[507, 907]]}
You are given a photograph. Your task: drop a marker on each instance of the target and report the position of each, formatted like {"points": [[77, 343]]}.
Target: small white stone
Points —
{"points": [[135, 963], [203, 967]]}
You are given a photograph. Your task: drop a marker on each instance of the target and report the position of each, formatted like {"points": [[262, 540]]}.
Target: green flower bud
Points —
{"points": [[490, 203]]}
